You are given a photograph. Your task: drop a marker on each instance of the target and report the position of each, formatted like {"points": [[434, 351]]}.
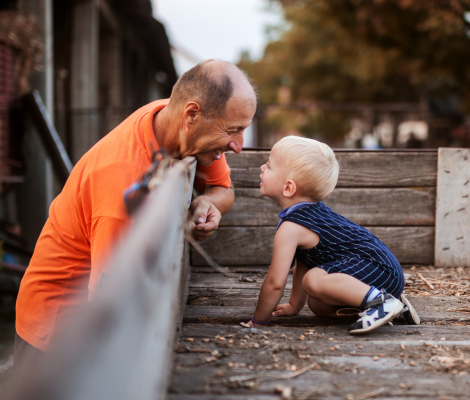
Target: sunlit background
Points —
{"points": [[365, 74]]}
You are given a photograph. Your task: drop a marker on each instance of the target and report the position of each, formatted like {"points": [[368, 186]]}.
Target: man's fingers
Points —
{"points": [[207, 227], [201, 217], [201, 235]]}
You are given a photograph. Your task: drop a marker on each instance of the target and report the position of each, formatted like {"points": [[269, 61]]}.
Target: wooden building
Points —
{"points": [[101, 61]]}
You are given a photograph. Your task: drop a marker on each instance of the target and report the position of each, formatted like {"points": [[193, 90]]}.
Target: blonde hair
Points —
{"points": [[312, 165]]}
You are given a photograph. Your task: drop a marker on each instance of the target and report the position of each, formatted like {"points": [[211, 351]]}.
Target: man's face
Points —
{"points": [[210, 139]]}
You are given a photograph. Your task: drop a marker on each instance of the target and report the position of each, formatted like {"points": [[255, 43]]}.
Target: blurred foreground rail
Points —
{"points": [[120, 346]]}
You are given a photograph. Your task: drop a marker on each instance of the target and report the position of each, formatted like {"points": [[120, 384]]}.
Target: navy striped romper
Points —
{"points": [[345, 247]]}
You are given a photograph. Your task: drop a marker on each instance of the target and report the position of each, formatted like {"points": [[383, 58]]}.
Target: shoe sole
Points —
{"points": [[377, 324], [413, 313]]}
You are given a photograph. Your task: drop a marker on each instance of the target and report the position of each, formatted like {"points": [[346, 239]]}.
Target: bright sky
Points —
{"points": [[218, 29]]}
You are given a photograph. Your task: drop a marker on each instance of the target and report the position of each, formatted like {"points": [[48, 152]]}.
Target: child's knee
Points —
{"points": [[311, 284]]}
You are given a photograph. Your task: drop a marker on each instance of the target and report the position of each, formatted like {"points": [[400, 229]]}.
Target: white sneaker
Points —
{"points": [[408, 314], [377, 313]]}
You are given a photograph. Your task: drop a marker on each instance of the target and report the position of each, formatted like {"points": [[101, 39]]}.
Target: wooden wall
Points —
{"points": [[391, 193]]}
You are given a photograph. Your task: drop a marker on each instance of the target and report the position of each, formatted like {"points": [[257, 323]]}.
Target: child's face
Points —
{"points": [[273, 176]]}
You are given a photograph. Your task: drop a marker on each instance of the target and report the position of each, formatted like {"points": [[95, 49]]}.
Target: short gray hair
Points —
{"points": [[199, 84]]}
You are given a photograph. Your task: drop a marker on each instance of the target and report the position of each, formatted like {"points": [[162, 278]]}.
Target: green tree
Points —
{"points": [[367, 50]]}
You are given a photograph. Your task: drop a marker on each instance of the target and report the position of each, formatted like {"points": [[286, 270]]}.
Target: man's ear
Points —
{"points": [[192, 113], [290, 188]]}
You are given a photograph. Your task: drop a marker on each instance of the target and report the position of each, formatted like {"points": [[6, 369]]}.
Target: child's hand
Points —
{"points": [[284, 309], [248, 324]]}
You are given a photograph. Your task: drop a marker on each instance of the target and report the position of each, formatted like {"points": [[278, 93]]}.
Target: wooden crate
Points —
{"points": [[391, 193]]}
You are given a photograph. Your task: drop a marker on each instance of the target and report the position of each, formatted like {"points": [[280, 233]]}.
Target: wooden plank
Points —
{"points": [[364, 206], [253, 245], [453, 208], [358, 169], [251, 209], [237, 314], [351, 370]]}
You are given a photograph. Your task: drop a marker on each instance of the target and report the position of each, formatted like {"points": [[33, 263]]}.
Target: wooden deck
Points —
{"points": [[315, 358]]}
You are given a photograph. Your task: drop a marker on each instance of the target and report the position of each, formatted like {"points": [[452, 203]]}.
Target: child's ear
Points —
{"points": [[290, 188]]}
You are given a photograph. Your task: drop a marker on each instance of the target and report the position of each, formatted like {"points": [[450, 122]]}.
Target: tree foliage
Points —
{"points": [[366, 50]]}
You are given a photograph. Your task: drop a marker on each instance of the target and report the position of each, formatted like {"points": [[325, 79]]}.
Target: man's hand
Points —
{"points": [[206, 217], [284, 309]]}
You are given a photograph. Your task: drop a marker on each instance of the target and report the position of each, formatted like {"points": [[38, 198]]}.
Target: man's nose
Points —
{"points": [[237, 143]]}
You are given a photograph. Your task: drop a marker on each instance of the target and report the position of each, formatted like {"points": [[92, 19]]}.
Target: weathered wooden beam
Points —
{"points": [[453, 208], [358, 168], [253, 245], [108, 15], [364, 206], [84, 77], [120, 345]]}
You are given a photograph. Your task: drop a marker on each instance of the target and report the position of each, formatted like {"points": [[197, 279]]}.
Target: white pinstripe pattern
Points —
{"points": [[347, 247]]}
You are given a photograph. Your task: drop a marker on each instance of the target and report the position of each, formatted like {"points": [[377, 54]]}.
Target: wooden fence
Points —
{"points": [[391, 193], [120, 346]]}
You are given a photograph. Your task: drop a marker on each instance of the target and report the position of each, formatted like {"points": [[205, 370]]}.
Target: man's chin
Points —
{"points": [[205, 160]]}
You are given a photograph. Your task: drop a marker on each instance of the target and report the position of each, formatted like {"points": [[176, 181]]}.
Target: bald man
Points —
{"points": [[209, 108]]}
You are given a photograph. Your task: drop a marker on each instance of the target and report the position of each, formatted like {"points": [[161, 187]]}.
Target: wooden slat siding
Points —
{"points": [[453, 209], [253, 245], [358, 169], [364, 206]]}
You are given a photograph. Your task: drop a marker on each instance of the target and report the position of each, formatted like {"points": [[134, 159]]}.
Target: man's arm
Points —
{"points": [[209, 208]]}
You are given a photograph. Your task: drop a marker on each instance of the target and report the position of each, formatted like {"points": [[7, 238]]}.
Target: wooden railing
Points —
{"points": [[121, 344], [416, 201], [392, 193]]}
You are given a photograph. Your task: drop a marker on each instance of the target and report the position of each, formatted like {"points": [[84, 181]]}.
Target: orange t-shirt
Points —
{"points": [[84, 220]]}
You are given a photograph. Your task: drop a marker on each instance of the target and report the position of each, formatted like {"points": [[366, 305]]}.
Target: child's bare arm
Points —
{"points": [[285, 244], [298, 297]]}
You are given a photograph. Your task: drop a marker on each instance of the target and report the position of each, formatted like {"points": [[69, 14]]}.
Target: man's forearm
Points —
{"points": [[221, 197]]}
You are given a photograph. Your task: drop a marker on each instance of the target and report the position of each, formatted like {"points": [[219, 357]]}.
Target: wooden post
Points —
{"points": [[36, 194], [453, 208], [84, 77]]}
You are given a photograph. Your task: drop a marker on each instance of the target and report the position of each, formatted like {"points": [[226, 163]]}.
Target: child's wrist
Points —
{"points": [[261, 323]]}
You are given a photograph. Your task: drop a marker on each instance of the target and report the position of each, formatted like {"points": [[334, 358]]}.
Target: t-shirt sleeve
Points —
{"points": [[106, 232], [217, 174]]}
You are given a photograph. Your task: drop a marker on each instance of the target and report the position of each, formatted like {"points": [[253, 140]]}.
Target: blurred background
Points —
{"points": [[356, 74]]}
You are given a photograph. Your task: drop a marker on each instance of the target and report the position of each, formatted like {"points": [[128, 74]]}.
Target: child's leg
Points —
{"points": [[334, 289], [322, 310]]}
